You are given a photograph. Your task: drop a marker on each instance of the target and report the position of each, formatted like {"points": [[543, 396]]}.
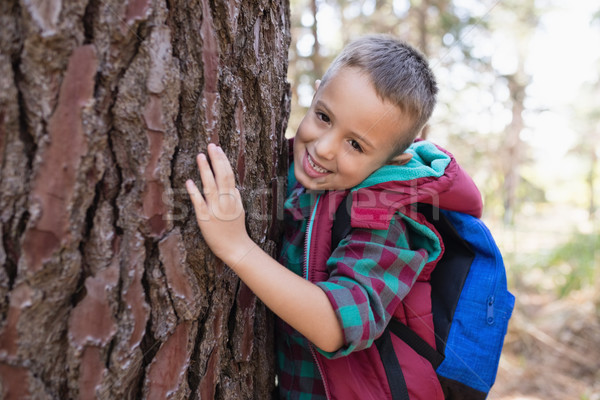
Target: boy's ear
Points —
{"points": [[317, 84], [400, 159]]}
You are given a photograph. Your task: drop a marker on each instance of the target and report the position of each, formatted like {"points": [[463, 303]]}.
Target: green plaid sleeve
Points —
{"points": [[371, 271]]}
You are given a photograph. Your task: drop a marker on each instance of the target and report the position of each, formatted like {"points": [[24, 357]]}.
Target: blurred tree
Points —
{"points": [[513, 145], [586, 117], [519, 19], [586, 114]]}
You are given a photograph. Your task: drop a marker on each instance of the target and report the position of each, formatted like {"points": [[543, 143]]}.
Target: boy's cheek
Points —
{"points": [[307, 130], [299, 146]]}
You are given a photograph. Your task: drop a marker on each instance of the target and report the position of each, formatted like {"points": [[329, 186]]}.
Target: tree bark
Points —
{"points": [[107, 289]]}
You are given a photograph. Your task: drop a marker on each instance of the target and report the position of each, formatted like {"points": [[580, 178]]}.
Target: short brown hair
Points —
{"points": [[399, 73]]}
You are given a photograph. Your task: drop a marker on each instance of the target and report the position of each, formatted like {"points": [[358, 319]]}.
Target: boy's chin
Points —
{"points": [[312, 183], [317, 184]]}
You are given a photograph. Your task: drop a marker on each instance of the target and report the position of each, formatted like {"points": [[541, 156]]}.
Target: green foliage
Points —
{"points": [[571, 265], [576, 262]]}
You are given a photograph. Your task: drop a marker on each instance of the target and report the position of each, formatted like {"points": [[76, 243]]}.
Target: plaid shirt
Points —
{"points": [[370, 273]]}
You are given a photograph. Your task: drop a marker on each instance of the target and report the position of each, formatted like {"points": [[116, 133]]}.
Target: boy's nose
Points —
{"points": [[326, 147]]}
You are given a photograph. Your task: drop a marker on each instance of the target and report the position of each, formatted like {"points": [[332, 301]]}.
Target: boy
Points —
{"points": [[334, 303]]}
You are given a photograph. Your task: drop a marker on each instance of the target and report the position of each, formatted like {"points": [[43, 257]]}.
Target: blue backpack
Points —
{"points": [[471, 306]]}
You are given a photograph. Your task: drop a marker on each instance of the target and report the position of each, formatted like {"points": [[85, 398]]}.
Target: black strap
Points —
{"points": [[341, 224], [416, 342], [392, 368]]}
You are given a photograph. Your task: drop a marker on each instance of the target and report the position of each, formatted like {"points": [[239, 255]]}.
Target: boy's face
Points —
{"points": [[347, 134]]}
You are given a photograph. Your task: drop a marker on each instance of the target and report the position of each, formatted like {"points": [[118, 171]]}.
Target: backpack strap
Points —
{"points": [[416, 342], [393, 371], [341, 223]]}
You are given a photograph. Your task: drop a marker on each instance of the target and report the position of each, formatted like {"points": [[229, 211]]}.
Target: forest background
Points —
{"points": [[519, 107]]}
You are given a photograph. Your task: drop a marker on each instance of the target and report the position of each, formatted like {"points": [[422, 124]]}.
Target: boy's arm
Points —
{"points": [[221, 218]]}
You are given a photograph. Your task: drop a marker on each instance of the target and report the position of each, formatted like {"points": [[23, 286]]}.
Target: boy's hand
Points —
{"points": [[220, 216], [219, 210]]}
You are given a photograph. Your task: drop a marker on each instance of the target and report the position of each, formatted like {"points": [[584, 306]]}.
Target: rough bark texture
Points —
{"points": [[106, 287]]}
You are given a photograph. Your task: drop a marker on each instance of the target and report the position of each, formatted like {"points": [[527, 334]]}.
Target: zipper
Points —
{"points": [[490, 310], [313, 352], [308, 236], [490, 243], [490, 317], [307, 239]]}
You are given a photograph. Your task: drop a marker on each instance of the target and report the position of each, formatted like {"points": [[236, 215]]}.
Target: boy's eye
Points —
{"points": [[323, 117], [356, 146]]}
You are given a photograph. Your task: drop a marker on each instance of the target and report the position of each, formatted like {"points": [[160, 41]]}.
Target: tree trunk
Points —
{"points": [[513, 145], [591, 179], [106, 287], [316, 58]]}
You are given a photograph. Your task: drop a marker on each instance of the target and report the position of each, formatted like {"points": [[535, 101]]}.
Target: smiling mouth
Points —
{"points": [[312, 169], [315, 166]]}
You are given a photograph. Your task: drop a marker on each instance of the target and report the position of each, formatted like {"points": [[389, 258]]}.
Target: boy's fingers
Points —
{"points": [[223, 171], [200, 206], [206, 175]]}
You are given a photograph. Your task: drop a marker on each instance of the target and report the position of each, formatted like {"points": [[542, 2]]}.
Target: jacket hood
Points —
{"points": [[431, 176]]}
